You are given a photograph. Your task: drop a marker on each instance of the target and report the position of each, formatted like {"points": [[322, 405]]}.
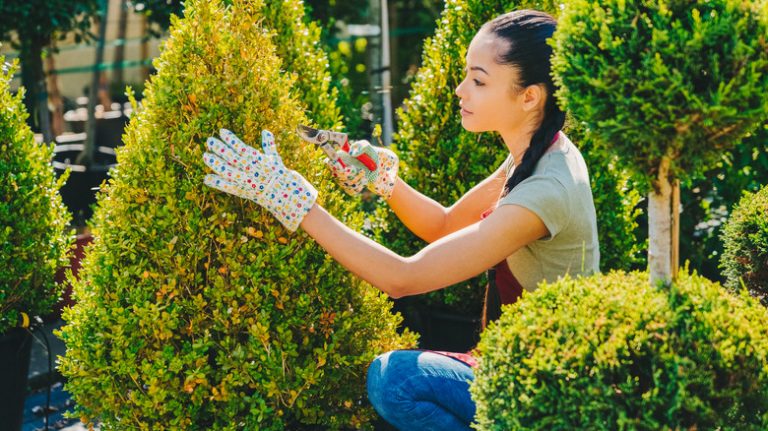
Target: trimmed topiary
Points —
{"points": [[708, 202], [745, 237], [33, 220], [667, 86], [297, 42], [443, 161], [612, 352], [197, 310]]}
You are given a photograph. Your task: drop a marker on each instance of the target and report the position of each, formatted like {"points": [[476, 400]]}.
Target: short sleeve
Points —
{"points": [[546, 197]]}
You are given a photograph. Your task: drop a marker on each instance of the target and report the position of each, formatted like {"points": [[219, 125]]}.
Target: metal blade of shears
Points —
{"points": [[329, 141]]}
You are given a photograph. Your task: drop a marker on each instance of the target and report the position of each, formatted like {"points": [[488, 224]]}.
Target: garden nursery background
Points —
{"points": [[143, 301]]}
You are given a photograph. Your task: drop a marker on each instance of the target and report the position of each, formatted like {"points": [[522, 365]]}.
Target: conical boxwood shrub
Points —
{"points": [[745, 237], [196, 310], [611, 352], [33, 220], [443, 161], [297, 42]]}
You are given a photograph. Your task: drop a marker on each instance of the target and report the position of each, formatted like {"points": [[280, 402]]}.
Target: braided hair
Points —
{"points": [[526, 32]]}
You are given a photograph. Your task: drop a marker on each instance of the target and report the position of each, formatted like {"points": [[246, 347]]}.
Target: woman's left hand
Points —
{"points": [[259, 176]]}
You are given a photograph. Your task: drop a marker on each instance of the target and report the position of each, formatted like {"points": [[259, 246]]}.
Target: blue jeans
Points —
{"points": [[416, 390]]}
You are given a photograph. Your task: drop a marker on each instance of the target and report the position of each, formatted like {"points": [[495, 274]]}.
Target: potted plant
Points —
{"points": [[33, 244]]}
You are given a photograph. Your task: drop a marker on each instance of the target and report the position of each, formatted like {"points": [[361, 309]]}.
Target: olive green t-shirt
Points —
{"points": [[558, 192]]}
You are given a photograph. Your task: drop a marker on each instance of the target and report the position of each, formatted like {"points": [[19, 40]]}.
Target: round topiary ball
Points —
{"points": [[745, 237], [612, 352]]}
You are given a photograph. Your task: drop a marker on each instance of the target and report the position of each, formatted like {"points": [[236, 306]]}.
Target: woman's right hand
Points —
{"points": [[352, 175]]}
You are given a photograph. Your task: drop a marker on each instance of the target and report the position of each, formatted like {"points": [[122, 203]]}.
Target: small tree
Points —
{"points": [[745, 260], [31, 25], [197, 310], [33, 237], [444, 161], [667, 86]]}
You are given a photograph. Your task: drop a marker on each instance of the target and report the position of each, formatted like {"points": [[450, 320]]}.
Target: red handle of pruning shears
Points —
{"points": [[365, 159]]}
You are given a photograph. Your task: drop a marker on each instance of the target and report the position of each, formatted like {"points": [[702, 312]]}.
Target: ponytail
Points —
{"points": [[554, 119], [526, 33]]}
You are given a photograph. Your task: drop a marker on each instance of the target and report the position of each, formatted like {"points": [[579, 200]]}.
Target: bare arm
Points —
{"points": [[431, 221], [453, 258]]}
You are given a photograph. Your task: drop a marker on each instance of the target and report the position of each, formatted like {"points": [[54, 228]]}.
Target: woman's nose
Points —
{"points": [[458, 90]]}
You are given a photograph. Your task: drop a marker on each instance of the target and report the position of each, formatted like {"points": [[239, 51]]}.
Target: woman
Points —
{"points": [[533, 217]]}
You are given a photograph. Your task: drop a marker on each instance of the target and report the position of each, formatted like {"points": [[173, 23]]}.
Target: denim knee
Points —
{"points": [[380, 390]]}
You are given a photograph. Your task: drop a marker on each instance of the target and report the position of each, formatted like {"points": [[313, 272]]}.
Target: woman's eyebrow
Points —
{"points": [[479, 68]]}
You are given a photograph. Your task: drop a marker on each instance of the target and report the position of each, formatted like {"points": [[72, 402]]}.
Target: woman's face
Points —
{"points": [[491, 99]]}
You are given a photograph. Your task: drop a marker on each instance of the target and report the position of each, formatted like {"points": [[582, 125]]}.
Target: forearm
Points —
{"points": [[458, 256], [420, 214], [357, 253]]}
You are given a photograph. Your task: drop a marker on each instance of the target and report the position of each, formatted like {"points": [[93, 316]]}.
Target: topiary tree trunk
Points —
{"points": [[666, 86], [197, 310]]}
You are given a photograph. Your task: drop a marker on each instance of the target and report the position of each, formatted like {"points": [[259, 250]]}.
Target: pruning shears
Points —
{"points": [[330, 141]]}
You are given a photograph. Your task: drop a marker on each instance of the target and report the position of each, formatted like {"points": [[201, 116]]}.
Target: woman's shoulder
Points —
{"points": [[562, 158]]}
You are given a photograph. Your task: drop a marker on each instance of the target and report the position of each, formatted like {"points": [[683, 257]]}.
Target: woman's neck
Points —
{"points": [[517, 141]]}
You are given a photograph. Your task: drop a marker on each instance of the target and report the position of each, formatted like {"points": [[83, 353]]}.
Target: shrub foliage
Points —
{"points": [[33, 220], [197, 310], [745, 237], [611, 352], [667, 79]]}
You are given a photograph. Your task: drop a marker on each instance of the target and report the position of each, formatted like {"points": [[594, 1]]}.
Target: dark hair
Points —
{"points": [[526, 32]]}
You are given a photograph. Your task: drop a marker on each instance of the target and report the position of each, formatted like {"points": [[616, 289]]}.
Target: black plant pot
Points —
{"points": [[15, 348]]}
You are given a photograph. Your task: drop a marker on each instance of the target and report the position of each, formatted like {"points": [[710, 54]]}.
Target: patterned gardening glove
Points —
{"points": [[259, 176], [356, 175], [351, 178]]}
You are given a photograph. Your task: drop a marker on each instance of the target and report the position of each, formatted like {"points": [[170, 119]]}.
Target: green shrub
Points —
{"points": [[707, 203], [197, 310], [297, 42], [611, 352], [668, 86], [745, 238], [443, 161], [33, 220]]}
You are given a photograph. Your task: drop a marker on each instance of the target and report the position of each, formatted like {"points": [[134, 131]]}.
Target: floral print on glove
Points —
{"points": [[259, 176], [352, 179], [380, 180]]}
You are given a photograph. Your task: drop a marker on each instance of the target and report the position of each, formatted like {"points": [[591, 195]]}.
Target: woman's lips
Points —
{"points": [[465, 112]]}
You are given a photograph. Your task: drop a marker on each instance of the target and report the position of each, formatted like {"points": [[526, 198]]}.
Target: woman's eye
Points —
{"points": [[478, 83]]}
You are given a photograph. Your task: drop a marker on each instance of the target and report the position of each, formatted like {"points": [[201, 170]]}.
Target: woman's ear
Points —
{"points": [[533, 97]]}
